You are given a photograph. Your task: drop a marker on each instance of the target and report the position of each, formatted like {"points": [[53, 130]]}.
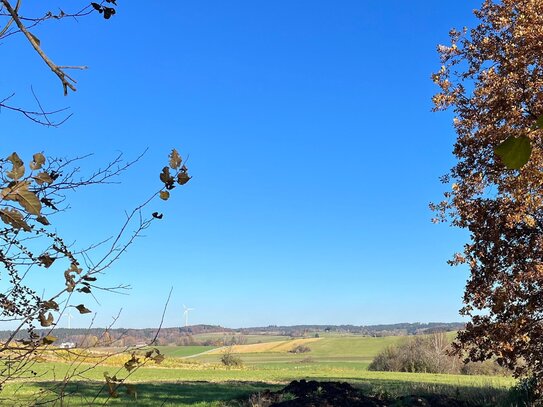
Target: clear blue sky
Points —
{"points": [[312, 146]]}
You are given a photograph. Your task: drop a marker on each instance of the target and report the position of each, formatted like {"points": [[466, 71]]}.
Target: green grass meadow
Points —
{"points": [[202, 381]]}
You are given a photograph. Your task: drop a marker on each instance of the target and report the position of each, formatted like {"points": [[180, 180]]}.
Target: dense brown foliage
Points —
{"points": [[492, 78]]}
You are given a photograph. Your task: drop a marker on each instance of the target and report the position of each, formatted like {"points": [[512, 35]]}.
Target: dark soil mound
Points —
{"points": [[335, 394]]}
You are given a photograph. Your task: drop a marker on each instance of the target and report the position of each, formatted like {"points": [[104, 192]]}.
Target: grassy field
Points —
{"points": [[186, 379], [160, 383], [355, 352], [183, 351]]}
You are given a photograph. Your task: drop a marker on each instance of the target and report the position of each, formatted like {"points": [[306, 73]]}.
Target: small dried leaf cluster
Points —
{"points": [[492, 78], [179, 177], [106, 11]]}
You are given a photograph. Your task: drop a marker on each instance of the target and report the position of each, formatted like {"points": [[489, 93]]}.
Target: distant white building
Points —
{"points": [[67, 345]]}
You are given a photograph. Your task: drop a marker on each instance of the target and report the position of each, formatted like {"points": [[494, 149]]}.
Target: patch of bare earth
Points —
{"points": [[336, 394]]}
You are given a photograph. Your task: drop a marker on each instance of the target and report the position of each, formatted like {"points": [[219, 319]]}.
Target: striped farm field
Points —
{"points": [[355, 352], [249, 339], [273, 347]]}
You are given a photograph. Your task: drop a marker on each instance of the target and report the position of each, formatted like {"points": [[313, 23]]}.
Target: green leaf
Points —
{"points": [[38, 160], [14, 218], [164, 195], [175, 159], [514, 152], [82, 309]]}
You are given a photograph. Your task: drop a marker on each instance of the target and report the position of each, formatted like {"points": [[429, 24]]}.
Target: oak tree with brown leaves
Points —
{"points": [[492, 78]]}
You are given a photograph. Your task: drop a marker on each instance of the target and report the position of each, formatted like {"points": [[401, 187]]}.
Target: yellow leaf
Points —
{"points": [[164, 195]]}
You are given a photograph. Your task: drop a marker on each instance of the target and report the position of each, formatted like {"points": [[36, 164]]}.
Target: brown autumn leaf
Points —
{"points": [[37, 162], [43, 178], [18, 169], [46, 260], [183, 178], [26, 198], [43, 220], [82, 309], [15, 159], [49, 339], [14, 218], [51, 304], [16, 173], [175, 159], [164, 195], [46, 321]]}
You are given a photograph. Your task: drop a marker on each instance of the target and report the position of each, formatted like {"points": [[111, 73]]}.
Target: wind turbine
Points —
{"points": [[186, 313], [69, 316]]}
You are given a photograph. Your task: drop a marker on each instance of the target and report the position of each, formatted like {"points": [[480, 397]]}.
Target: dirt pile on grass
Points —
{"points": [[335, 394]]}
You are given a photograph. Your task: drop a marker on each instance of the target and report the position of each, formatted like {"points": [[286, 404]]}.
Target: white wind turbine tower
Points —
{"points": [[186, 313], [69, 316]]}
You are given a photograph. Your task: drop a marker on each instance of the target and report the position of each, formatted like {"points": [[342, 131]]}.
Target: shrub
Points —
{"points": [[430, 354], [300, 349], [426, 354], [486, 368], [229, 359]]}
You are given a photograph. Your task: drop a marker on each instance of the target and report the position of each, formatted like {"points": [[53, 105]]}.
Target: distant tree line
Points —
{"points": [[191, 336], [368, 330]]}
